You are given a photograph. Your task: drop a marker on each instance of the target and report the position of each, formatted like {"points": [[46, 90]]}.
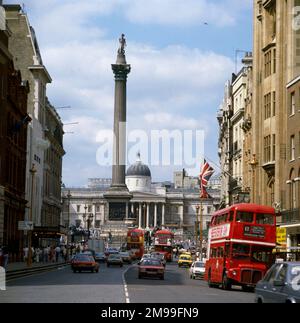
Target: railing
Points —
{"points": [[291, 216]]}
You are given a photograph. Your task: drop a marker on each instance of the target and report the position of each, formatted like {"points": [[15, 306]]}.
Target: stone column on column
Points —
{"points": [[163, 216], [127, 210], [132, 209], [148, 215], [140, 215], [155, 215]]}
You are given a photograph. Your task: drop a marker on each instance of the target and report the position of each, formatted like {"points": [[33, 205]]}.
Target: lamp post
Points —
{"points": [[253, 165], [68, 228], [29, 258], [90, 219]]}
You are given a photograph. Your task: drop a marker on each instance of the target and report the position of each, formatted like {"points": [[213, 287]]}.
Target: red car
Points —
{"points": [[83, 262], [151, 268]]}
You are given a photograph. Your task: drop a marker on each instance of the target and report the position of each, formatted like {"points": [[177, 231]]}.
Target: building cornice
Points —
{"points": [[293, 82]]}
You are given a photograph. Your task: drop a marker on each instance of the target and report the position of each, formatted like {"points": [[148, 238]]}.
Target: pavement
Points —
{"points": [[16, 266]]}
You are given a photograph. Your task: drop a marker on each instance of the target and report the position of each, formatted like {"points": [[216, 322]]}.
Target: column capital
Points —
{"points": [[121, 71]]}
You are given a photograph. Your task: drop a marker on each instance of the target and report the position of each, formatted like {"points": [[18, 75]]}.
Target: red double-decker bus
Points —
{"points": [[163, 243], [240, 243], [135, 242]]}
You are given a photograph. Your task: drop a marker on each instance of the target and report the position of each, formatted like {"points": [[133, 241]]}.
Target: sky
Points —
{"points": [[181, 53]]}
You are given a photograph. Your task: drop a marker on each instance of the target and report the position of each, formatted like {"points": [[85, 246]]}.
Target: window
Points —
{"points": [[97, 223], [292, 104], [268, 63], [78, 208], [89, 208], [267, 106], [98, 208], [244, 217], [293, 148], [264, 218], [267, 149], [209, 209], [274, 148], [231, 216], [274, 104], [274, 56]]}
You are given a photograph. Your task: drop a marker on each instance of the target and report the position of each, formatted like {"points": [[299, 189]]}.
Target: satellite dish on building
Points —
{"points": [[2, 18]]}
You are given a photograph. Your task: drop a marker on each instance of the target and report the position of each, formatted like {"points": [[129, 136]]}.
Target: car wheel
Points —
{"points": [[191, 276], [140, 276], [162, 277], [92, 271], [97, 270], [107, 265], [194, 277], [121, 266], [74, 271], [80, 270]]}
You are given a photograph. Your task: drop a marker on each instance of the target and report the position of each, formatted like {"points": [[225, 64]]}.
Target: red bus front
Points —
{"points": [[163, 243], [135, 243], [241, 241]]}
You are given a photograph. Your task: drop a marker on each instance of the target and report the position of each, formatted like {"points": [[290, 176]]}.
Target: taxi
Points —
{"points": [[185, 260]]}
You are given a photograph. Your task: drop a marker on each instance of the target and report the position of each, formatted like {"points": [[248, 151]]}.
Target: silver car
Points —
{"points": [[281, 284]]}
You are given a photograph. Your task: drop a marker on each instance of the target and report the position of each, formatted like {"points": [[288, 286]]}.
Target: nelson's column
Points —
{"points": [[118, 195]]}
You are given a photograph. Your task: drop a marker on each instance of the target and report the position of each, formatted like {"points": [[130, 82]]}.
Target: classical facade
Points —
{"points": [[13, 145], [51, 225], [225, 143], [152, 205]]}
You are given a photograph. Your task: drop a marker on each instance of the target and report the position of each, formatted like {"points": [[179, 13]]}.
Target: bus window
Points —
{"points": [[240, 250], [244, 217], [264, 218], [231, 216], [227, 250], [221, 254]]}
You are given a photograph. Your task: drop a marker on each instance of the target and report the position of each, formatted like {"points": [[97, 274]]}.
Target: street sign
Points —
{"points": [[25, 225]]}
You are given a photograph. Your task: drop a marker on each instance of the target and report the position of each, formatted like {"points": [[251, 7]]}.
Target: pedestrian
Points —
{"points": [[25, 253], [37, 254], [57, 253], [4, 257]]}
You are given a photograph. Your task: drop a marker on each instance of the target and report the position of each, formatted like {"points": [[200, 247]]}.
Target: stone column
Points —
{"points": [[148, 215], [155, 215], [121, 70], [163, 216], [132, 209], [181, 216], [140, 215], [127, 209]]}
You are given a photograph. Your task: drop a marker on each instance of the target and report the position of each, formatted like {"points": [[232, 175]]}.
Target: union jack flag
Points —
{"points": [[205, 175]]}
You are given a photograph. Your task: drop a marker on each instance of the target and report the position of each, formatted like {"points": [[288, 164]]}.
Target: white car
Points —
{"points": [[197, 270]]}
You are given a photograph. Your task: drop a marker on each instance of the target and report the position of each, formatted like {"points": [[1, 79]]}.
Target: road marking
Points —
{"points": [[127, 299]]}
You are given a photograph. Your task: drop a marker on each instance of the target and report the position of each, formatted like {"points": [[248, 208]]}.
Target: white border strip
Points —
{"points": [[244, 241], [127, 299]]}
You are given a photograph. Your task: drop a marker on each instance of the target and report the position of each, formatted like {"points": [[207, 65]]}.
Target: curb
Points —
{"points": [[31, 271]]}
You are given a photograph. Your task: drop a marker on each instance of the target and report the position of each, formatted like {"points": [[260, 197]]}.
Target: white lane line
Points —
{"points": [[127, 299]]}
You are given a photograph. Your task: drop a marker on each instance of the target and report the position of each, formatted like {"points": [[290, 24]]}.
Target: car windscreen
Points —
{"points": [[199, 265], [113, 256], [150, 263], [83, 258]]}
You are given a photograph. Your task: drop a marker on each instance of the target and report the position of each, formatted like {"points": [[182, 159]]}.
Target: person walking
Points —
{"points": [[4, 257], [25, 253], [57, 253]]}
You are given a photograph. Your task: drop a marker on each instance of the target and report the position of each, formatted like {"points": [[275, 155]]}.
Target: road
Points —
{"points": [[179, 288], [63, 286]]}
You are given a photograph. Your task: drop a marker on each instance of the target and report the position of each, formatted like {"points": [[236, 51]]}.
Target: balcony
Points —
{"points": [[290, 217]]}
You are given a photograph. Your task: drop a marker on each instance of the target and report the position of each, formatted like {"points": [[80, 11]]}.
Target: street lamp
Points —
{"points": [[253, 165], [68, 228], [29, 258], [90, 219]]}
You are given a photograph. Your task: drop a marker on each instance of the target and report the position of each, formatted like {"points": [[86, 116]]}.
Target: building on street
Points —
{"points": [[13, 144]]}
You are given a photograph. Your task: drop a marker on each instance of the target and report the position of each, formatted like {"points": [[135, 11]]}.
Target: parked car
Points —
{"points": [[82, 262], [126, 257], [151, 268], [114, 259], [100, 257], [281, 284], [197, 270]]}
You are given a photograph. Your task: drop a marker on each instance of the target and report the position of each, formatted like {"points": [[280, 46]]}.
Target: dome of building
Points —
{"points": [[138, 177], [138, 169]]}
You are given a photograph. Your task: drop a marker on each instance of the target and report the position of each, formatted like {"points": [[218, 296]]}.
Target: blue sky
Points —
{"points": [[179, 67]]}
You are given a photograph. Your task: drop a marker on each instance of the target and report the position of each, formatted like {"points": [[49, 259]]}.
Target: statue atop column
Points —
{"points": [[121, 60], [122, 41]]}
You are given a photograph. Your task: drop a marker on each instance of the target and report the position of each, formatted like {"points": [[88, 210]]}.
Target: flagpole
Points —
{"points": [[201, 229]]}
